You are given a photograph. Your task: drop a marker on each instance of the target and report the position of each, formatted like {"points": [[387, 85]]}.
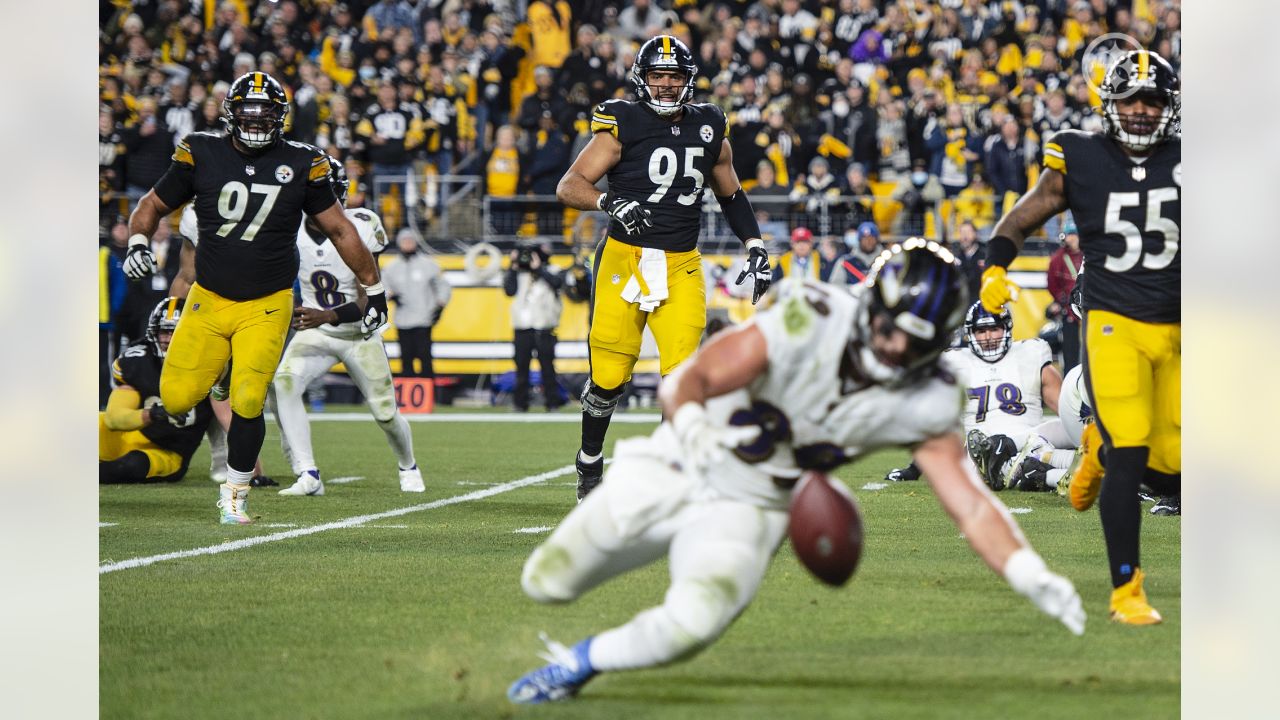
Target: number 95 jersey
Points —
{"points": [[1129, 215], [325, 280], [664, 166], [1002, 397]]}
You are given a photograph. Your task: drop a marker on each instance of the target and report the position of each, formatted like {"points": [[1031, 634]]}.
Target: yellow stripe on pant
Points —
{"points": [[214, 329]]}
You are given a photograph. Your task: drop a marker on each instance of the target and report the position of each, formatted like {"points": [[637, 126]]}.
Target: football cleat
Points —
{"points": [[411, 480], [569, 670], [262, 481], [990, 455], [1087, 480], [308, 483], [1171, 505], [589, 476], [1031, 475], [1129, 603], [234, 504], [1003, 448], [905, 474], [1065, 483]]}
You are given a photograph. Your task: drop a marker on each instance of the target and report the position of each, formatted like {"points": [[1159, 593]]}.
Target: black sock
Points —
{"points": [[1121, 511], [132, 467], [593, 427], [244, 442]]}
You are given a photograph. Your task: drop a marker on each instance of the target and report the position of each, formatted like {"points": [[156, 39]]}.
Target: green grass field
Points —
{"points": [[421, 615]]}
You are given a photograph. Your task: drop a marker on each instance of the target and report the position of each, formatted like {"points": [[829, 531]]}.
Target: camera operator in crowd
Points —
{"points": [[535, 312]]}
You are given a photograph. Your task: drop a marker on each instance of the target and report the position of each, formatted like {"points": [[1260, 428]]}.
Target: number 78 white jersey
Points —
{"points": [[325, 280], [1002, 397]]}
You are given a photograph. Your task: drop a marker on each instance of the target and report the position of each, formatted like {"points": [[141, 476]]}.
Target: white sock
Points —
{"points": [[1058, 458], [1056, 476], [400, 438], [295, 428], [588, 459], [237, 478]]}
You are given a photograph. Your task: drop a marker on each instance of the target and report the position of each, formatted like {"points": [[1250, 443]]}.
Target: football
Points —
{"points": [[826, 528]]}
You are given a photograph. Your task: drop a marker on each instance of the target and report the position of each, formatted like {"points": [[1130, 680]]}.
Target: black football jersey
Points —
{"points": [[139, 368], [248, 208], [1130, 219], [665, 166]]}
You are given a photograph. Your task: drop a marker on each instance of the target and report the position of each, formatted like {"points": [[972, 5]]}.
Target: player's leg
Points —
{"points": [[308, 356], [257, 340], [131, 457], [678, 323], [198, 352], [617, 328], [523, 341], [1120, 377], [1164, 468], [545, 343], [366, 362]]}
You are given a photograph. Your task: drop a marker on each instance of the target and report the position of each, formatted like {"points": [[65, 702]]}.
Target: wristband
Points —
{"points": [[600, 201], [374, 289], [139, 239], [1023, 570], [347, 313], [1001, 251], [755, 243]]}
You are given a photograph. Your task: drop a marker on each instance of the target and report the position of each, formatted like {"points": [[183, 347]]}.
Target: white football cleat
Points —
{"points": [[411, 480], [308, 483], [234, 504]]}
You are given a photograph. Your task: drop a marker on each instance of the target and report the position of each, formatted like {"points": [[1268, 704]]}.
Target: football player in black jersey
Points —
{"points": [[659, 154], [251, 190], [139, 439], [1124, 189]]}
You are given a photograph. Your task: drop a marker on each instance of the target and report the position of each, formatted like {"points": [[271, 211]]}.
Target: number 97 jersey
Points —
{"points": [[665, 166], [324, 279]]}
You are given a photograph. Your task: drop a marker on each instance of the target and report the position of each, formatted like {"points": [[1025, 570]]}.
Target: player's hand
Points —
{"points": [[1052, 593], [757, 266], [375, 313], [305, 318], [158, 414], [706, 444], [632, 216], [139, 262], [997, 289]]}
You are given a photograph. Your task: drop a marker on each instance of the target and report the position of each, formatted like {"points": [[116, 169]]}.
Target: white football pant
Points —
{"points": [[719, 550], [309, 355]]}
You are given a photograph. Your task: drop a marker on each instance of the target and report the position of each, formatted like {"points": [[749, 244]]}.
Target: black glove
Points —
{"points": [[139, 262], [632, 216], [375, 313], [757, 265], [158, 414]]}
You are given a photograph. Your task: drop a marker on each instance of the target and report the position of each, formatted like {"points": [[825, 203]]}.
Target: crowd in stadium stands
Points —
{"points": [[838, 108]]}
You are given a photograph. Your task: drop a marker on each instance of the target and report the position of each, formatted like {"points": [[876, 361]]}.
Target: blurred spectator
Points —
{"points": [[851, 268], [502, 180], [148, 147], [800, 261], [1064, 267], [828, 253], [391, 131], [111, 150], [1057, 115], [954, 147], [770, 200], [550, 23], [494, 72], [891, 135], [387, 16], [975, 204], [545, 98], [546, 163], [420, 291], [919, 193], [816, 191], [178, 112], [534, 286], [858, 201], [639, 21], [972, 256], [1007, 160], [111, 303], [860, 127]]}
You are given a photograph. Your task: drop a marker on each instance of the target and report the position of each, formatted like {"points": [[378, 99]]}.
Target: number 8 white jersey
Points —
{"points": [[325, 280], [1002, 397]]}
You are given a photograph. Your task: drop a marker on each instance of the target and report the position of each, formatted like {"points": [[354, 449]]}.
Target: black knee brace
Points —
{"points": [[599, 402]]}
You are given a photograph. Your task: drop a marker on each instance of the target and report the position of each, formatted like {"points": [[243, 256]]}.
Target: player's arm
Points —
{"points": [[124, 410], [186, 276], [730, 361], [305, 318], [1050, 386], [335, 225], [577, 189], [174, 188], [991, 531], [742, 221], [1045, 200]]}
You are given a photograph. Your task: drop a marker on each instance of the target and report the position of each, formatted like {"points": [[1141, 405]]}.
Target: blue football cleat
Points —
{"points": [[569, 670]]}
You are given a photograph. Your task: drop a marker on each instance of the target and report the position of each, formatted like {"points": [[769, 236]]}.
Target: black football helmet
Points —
{"points": [[164, 318], [978, 318], [1141, 73], [338, 180], [919, 286], [664, 52], [254, 109]]}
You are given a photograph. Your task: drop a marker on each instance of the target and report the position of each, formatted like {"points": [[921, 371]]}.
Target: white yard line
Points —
{"points": [[106, 524], [530, 417], [532, 530], [336, 525], [344, 480]]}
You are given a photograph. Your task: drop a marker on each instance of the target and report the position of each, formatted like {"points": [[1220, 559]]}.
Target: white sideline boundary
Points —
{"points": [[335, 525]]}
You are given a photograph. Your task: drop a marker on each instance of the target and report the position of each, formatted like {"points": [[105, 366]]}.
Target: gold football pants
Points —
{"points": [[212, 330], [114, 444]]}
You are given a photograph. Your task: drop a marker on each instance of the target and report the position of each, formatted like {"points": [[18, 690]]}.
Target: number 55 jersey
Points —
{"points": [[247, 209]]}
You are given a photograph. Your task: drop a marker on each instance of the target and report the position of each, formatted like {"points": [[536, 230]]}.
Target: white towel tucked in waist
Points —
{"points": [[653, 271]]}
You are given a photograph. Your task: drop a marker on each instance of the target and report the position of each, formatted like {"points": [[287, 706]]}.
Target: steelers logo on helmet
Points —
{"points": [[255, 108], [989, 347], [916, 287], [162, 322], [1141, 75], [673, 69]]}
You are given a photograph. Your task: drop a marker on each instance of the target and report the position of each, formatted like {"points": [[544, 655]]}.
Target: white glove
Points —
{"points": [[139, 262], [1053, 594], [704, 443]]}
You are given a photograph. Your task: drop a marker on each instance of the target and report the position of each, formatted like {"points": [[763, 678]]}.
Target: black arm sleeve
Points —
{"points": [[740, 216], [177, 185]]}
